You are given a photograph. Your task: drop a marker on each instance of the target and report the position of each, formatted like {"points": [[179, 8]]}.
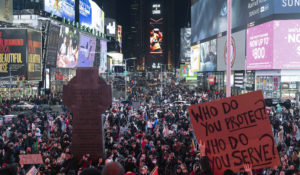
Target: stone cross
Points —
{"points": [[87, 96]]}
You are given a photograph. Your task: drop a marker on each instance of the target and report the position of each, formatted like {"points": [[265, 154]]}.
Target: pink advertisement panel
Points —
{"points": [[260, 47], [287, 44]]}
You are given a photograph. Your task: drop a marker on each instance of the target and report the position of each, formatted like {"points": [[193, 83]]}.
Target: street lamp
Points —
{"points": [[125, 75]]}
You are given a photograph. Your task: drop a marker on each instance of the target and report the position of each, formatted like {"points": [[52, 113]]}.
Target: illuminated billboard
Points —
{"points": [[195, 58], [208, 56], [13, 52], [91, 15], [103, 56], [111, 27], [119, 38], [34, 61], [67, 56], [61, 8], [156, 39], [6, 11], [86, 51]]}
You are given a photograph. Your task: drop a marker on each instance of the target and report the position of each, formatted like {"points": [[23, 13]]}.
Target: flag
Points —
{"points": [[154, 171]]}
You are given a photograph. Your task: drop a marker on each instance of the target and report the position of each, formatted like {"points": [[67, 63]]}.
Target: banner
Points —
{"points": [[28, 159], [185, 45], [61, 8], [260, 47], [13, 43], [286, 44], [235, 131], [34, 61], [52, 45], [6, 11], [86, 51], [67, 56], [238, 51]]}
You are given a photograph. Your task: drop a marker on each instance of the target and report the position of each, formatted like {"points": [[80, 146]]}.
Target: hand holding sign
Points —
{"points": [[248, 168], [202, 147]]}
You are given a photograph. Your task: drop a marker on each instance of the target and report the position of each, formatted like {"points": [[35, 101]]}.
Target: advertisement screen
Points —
{"points": [[61, 8], [103, 56], [185, 45], [238, 51], [34, 61], [53, 38], [195, 58], [90, 15], [13, 52], [6, 11], [208, 56], [119, 38], [184, 70], [87, 49], [287, 6], [259, 9], [67, 56], [287, 44], [209, 17], [156, 39], [111, 27], [260, 47], [47, 79]]}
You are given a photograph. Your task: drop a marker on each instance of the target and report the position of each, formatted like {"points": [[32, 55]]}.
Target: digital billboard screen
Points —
{"points": [[13, 52], [6, 11], [119, 38], [86, 51], [103, 56], [91, 15], [195, 58], [52, 45], [34, 61], [156, 40], [208, 56], [67, 56], [286, 44], [260, 47], [111, 27], [61, 8], [185, 45], [209, 17]]}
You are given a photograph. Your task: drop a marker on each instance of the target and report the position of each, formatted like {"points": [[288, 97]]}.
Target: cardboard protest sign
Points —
{"points": [[32, 171], [28, 159], [236, 131]]}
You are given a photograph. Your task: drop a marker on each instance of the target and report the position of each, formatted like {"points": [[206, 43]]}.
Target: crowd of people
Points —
{"points": [[152, 132]]}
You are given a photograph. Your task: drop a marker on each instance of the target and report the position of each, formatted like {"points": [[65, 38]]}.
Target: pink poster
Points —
{"points": [[260, 47], [287, 44]]}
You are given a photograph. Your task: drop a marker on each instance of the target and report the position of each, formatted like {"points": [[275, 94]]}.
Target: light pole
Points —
{"points": [[125, 75]]}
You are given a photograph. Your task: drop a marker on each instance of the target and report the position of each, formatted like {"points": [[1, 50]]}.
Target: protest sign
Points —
{"points": [[32, 171], [28, 159], [236, 131]]}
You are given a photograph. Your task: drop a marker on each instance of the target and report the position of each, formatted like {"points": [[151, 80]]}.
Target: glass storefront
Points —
{"points": [[270, 85]]}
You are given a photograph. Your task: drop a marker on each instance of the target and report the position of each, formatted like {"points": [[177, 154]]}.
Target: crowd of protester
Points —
{"points": [[153, 131]]}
